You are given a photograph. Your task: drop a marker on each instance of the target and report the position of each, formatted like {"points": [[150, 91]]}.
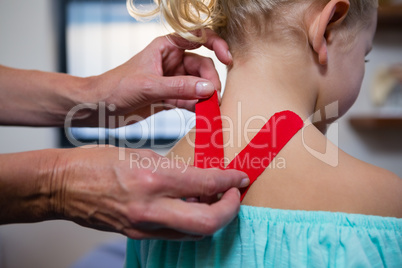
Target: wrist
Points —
{"points": [[50, 183], [85, 90], [74, 95], [26, 186], [87, 95]]}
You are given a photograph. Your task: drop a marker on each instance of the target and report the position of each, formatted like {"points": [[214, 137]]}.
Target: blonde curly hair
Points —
{"points": [[237, 20]]}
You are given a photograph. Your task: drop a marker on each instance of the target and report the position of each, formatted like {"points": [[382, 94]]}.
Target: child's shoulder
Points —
{"points": [[378, 191], [349, 184]]}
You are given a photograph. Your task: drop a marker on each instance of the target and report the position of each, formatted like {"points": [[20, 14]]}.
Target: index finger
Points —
{"points": [[219, 46], [214, 42]]}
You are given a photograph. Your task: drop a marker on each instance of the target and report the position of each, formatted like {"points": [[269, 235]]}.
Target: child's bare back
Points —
{"points": [[298, 180]]}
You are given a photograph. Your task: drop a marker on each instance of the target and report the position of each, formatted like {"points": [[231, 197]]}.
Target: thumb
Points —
{"points": [[183, 87]]}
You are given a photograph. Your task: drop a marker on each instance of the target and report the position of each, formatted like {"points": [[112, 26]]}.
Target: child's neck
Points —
{"points": [[258, 88], [264, 86]]}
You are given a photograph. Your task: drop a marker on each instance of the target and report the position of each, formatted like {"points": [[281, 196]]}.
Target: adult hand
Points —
{"points": [[141, 196], [163, 73]]}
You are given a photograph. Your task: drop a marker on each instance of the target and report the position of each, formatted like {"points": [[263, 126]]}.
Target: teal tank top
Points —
{"points": [[264, 237]]}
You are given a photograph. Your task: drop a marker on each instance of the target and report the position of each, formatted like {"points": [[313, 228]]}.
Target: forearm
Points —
{"points": [[36, 98], [26, 186]]}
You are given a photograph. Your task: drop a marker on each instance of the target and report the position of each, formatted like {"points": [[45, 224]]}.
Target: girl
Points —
{"points": [[314, 205]]}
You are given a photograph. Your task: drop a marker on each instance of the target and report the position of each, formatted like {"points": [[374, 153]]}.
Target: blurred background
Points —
{"points": [[88, 37]]}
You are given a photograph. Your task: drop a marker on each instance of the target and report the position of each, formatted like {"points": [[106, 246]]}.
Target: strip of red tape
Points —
{"points": [[256, 156]]}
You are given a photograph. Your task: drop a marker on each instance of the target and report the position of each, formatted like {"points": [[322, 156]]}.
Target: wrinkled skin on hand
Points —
{"points": [[93, 188], [163, 75]]}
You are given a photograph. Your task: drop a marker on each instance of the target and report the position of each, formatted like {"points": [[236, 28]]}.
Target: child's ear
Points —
{"points": [[331, 16]]}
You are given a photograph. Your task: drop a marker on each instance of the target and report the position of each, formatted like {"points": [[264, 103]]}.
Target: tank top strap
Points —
{"points": [[256, 156]]}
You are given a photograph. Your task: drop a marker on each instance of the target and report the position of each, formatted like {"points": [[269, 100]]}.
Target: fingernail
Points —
{"points": [[238, 193], [204, 89], [244, 183], [230, 55]]}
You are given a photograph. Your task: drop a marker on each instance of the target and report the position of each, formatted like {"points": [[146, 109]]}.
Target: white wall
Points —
{"points": [[28, 39]]}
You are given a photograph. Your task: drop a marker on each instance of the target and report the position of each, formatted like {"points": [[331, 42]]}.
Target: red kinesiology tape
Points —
{"points": [[256, 156]]}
